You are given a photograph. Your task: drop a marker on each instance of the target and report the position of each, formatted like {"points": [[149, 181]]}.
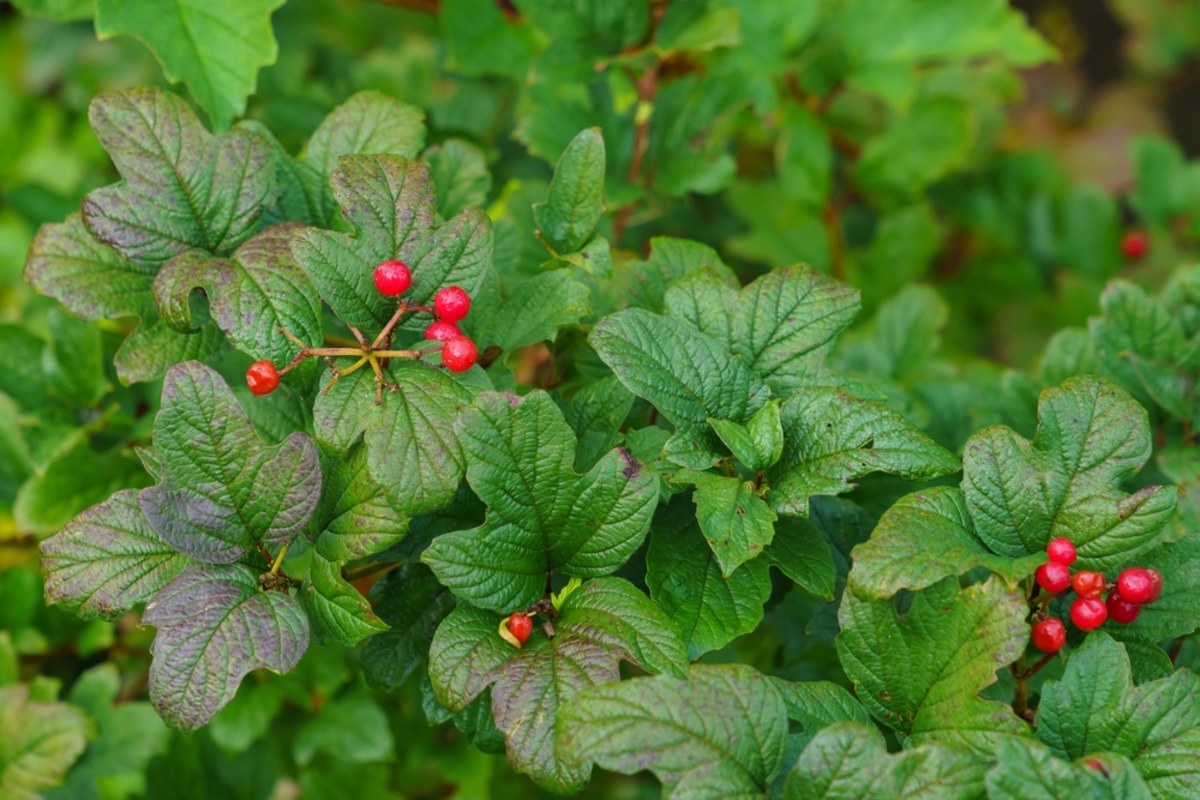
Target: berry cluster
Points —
{"points": [[392, 278], [1134, 588]]}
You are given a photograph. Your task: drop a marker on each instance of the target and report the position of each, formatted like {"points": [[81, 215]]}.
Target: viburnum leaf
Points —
{"points": [[759, 443], [601, 623], [354, 517], [688, 376], [684, 578], [814, 706], [39, 741], [703, 299], [154, 347], [390, 202], [412, 603], [595, 411], [542, 516], [1028, 770], [412, 449], [368, 123], [252, 295], [338, 610], [216, 47], [215, 625], [718, 733], [1096, 707], [924, 537], [460, 173], [737, 523], [646, 282], [832, 437], [222, 490], [535, 311], [921, 672], [107, 560], [801, 552], [181, 187], [849, 760], [1091, 436], [575, 202]]}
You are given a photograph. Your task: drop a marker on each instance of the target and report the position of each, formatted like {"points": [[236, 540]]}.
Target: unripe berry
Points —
{"points": [[1088, 584], [1061, 550], [1135, 585], [262, 377], [1053, 577], [520, 626], [392, 278], [1120, 608], [451, 304], [459, 354], [442, 331], [1088, 613], [1134, 245], [1049, 635]]}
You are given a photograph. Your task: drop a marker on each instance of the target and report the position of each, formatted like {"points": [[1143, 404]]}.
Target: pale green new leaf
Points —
{"points": [[39, 741], [759, 443], [737, 523]]}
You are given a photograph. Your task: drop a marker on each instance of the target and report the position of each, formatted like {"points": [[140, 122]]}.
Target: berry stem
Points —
{"points": [[1021, 696], [1034, 670], [401, 310], [362, 340]]}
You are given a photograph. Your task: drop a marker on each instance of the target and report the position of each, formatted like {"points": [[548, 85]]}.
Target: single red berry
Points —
{"points": [[1088, 584], [442, 331], [451, 304], [1135, 585], [262, 377], [1121, 608], [1049, 635], [1053, 577], [459, 354], [1088, 613], [1061, 551], [1134, 244], [1156, 584], [520, 626], [392, 278]]}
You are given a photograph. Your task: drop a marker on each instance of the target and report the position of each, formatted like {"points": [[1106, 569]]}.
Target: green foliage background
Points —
{"points": [[971, 173]]}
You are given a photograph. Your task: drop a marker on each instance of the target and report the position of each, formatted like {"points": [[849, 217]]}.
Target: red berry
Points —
{"points": [[1053, 577], [1156, 584], [442, 331], [1061, 550], [459, 354], [1121, 608], [1134, 245], [392, 278], [262, 377], [451, 304], [1049, 635], [1088, 613], [520, 626], [1088, 584], [1135, 585]]}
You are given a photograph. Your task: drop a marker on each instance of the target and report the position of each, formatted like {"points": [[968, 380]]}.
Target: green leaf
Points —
{"points": [[108, 560], [75, 479], [1091, 436], [645, 282], [687, 376], [1028, 770], [832, 438], [542, 516], [536, 311], [719, 733], [216, 47], [460, 173], [154, 347], [412, 448], [87, 276], [483, 41], [801, 552], [222, 490], [685, 579], [1166, 184], [804, 157], [1095, 707], [817, 705], [214, 626], [390, 202], [1174, 613], [57, 10], [759, 443], [575, 202], [737, 523], [603, 622], [412, 603], [326, 732], [925, 537], [252, 295], [929, 142], [336, 607], [181, 187], [920, 673], [850, 761], [39, 741], [354, 517], [595, 412]]}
